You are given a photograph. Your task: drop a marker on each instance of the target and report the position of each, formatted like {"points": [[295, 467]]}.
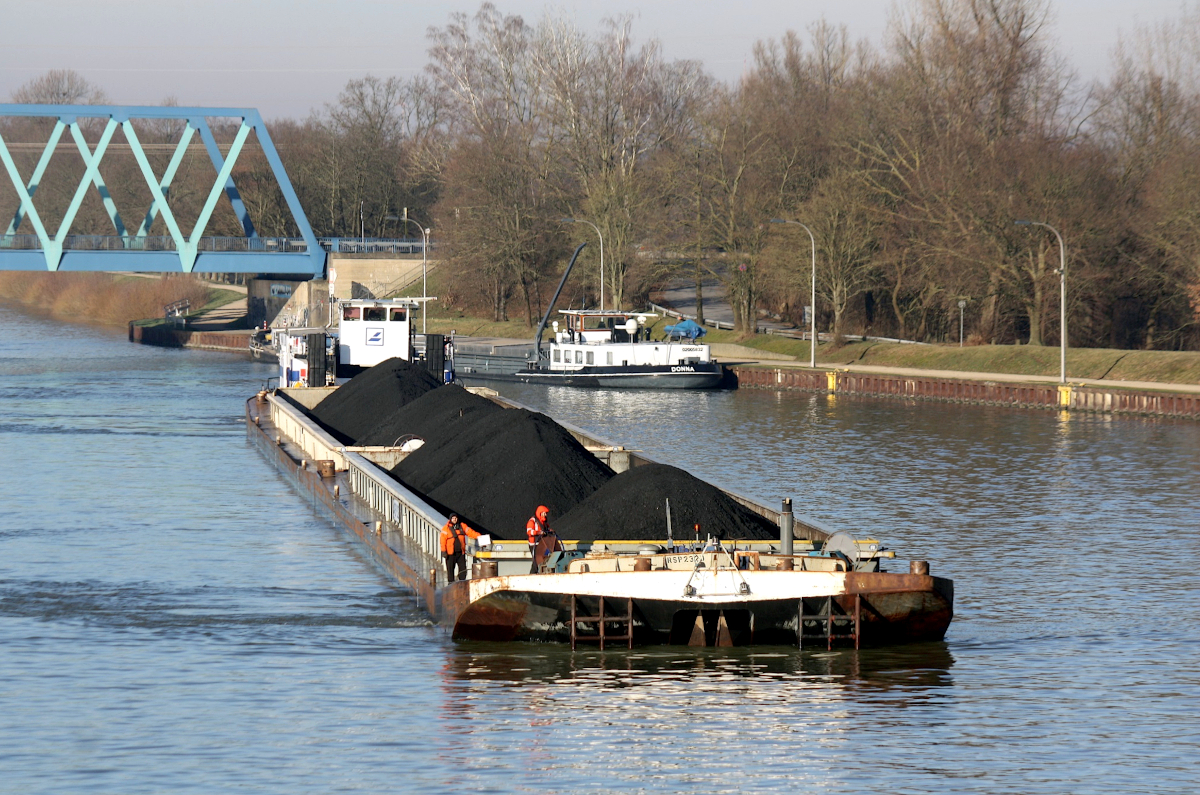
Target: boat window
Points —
{"points": [[351, 313], [591, 357], [578, 357], [610, 357], [399, 314], [557, 355], [374, 313]]}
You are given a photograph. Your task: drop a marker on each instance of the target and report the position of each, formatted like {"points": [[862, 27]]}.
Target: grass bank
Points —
{"points": [[1172, 367], [106, 298], [1168, 367], [440, 320]]}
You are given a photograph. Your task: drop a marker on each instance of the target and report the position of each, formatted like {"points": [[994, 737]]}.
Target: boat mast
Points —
{"points": [[554, 300]]}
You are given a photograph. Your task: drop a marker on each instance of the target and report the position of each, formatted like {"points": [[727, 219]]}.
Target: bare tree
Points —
{"points": [[60, 87], [846, 229], [611, 104], [1151, 121], [499, 190]]}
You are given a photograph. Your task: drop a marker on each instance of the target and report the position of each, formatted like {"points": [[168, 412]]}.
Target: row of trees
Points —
{"points": [[909, 162]]}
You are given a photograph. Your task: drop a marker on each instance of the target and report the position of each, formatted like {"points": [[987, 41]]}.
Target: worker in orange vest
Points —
{"points": [[537, 525], [454, 546], [542, 539], [534, 529]]}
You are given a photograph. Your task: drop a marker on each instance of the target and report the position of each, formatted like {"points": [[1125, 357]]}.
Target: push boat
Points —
{"points": [[362, 333], [607, 349], [610, 349], [811, 586]]}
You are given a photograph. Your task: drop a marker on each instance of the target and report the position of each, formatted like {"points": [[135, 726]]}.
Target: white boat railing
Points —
{"points": [[405, 512]]}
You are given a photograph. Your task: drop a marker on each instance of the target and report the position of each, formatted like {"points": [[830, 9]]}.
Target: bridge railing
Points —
{"points": [[371, 245], [249, 244]]}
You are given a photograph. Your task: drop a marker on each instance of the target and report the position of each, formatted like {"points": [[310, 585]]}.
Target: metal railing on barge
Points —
{"points": [[407, 513]]}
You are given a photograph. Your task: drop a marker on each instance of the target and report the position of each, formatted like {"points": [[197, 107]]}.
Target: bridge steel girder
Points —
{"points": [[187, 256], [164, 262]]}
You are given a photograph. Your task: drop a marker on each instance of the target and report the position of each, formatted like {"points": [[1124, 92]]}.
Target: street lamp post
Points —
{"points": [[593, 226], [424, 262], [962, 305], [362, 227], [812, 357], [1062, 298]]}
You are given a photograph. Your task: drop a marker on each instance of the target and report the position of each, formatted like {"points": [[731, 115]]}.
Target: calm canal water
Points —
{"points": [[174, 618]]}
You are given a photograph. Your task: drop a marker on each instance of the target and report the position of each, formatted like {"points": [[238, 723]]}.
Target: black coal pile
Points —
{"points": [[632, 507], [358, 405], [496, 468], [437, 417]]}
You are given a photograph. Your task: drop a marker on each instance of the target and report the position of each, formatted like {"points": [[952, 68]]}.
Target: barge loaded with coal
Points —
{"points": [[652, 555]]}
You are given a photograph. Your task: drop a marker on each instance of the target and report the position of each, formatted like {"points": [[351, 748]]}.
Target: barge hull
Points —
{"points": [[893, 608]]}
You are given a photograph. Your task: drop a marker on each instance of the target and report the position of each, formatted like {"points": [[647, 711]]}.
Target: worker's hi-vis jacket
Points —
{"points": [[454, 539], [534, 530]]}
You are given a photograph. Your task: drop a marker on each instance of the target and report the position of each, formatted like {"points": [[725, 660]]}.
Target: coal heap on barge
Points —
{"points": [[494, 466], [633, 506]]}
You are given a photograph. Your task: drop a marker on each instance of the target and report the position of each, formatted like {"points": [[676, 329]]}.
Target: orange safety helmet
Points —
{"points": [[543, 513]]}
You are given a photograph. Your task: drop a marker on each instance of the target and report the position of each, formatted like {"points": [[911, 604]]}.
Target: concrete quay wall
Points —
{"points": [[231, 341], [1070, 397]]}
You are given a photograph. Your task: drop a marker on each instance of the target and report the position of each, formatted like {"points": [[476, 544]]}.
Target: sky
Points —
{"points": [[289, 57]]}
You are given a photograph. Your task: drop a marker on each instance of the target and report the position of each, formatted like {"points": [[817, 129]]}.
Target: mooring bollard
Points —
{"points": [[787, 523], [918, 567]]}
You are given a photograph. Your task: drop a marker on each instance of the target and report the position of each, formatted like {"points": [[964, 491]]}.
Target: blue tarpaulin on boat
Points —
{"points": [[686, 328]]}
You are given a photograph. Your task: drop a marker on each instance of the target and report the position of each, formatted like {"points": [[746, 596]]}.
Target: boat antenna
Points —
{"points": [[554, 300]]}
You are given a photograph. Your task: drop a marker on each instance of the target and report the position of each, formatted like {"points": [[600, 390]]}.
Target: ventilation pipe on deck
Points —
{"points": [[786, 523]]}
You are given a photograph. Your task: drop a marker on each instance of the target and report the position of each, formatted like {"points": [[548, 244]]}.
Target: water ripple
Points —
{"points": [[174, 618]]}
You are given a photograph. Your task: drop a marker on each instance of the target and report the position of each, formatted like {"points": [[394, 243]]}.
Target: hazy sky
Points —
{"points": [[286, 57]]}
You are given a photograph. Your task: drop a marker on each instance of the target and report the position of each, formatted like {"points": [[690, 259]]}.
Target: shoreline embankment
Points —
{"points": [[224, 341], [1072, 396]]}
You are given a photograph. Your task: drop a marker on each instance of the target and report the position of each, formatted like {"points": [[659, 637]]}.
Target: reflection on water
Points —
{"points": [[715, 720], [927, 664], [174, 618]]}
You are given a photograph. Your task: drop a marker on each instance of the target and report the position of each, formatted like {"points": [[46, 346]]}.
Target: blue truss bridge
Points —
{"points": [[29, 242]]}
